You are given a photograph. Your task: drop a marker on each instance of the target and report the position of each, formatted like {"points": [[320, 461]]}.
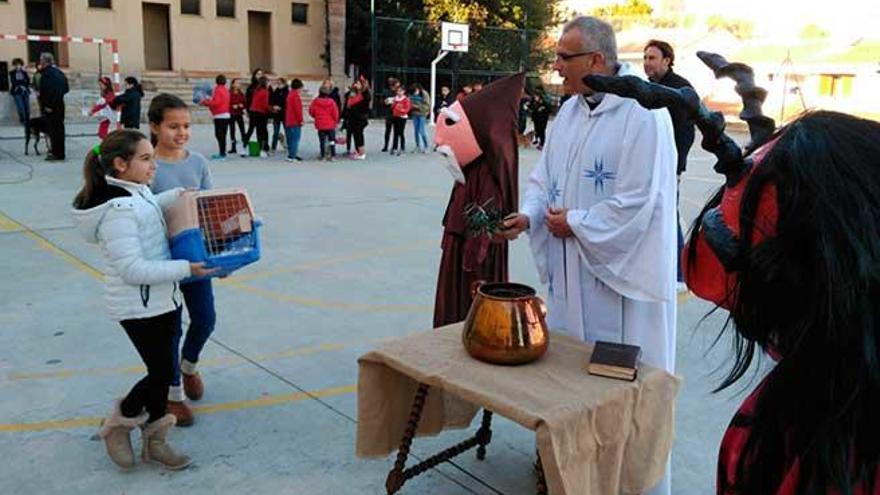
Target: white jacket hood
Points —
{"points": [[88, 220]]}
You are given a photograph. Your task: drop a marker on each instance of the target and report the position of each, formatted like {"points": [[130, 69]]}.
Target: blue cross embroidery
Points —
{"points": [[599, 175], [553, 193]]}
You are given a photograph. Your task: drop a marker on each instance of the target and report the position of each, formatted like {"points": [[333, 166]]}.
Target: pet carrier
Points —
{"points": [[217, 227]]}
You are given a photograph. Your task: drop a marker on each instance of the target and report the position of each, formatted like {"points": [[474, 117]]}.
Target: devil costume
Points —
{"points": [[478, 136], [789, 246]]}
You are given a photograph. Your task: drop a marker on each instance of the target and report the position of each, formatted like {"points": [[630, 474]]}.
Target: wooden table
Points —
{"points": [[595, 435]]}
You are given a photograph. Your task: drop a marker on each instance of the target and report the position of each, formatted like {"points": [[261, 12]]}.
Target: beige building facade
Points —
{"points": [[301, 38]]}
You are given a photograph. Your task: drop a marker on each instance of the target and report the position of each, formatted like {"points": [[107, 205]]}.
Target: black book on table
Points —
{"points": [[613, 360]]}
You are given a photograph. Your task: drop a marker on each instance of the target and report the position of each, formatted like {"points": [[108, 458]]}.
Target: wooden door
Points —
{"points": [[260, 40], [157, 37]]}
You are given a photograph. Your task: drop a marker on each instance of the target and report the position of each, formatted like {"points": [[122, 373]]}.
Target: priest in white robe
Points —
{"points": [[599, 209]]}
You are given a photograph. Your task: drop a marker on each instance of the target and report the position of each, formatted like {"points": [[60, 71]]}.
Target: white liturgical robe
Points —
{"points": [[613, 167]]}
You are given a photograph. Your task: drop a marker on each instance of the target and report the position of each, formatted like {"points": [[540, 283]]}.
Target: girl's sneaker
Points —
{"points": [[289, 159], [263, 154], [362, 156], [218, 157]]}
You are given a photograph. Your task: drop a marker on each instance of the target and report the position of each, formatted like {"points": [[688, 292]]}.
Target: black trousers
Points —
{"points": [[152, 337], [540, 131], [220, 126], [236, 120], [55, 130], [258, 122], [358, 134], [389, 124], [399, 126]]}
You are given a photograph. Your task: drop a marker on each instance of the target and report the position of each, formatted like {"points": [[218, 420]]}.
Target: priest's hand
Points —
{"points": [[557, 223], [514, 225]]}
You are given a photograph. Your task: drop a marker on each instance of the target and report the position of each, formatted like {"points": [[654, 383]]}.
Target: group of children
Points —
{"points": [[109, 103], [129, 180], [401, 106], [262, 102]]}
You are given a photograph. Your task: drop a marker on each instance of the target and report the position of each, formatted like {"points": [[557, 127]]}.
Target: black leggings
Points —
{"points": [[259, 121], [220, 126], [389, 124], [236, 120], [399, 126], [358, 135], [152, 337], [540, 131]]}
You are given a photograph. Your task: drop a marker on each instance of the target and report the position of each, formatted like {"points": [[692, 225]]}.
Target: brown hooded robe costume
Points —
{"points": [[494, 174]]}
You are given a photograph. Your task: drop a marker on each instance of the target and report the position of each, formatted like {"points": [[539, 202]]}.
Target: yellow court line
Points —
{"points": [[271, 400], [330, 260], [204, 363], [9, 225], [47, 245], [318, 303], [685, 296]]}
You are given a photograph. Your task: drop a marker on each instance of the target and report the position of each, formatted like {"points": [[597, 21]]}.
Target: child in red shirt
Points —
{"points": [[400, 108]]}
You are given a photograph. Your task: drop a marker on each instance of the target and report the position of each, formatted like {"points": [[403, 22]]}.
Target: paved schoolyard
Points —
{"points": [[350, 253]]}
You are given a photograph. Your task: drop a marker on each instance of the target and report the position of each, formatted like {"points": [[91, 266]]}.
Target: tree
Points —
{"points": [[740, 28], [624, 15], [503, 32]]}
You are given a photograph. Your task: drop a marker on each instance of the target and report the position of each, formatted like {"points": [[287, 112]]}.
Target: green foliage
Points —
{"points": [[740, 28], [632, 8], [505, 35], [623, 16], [484, 219]]}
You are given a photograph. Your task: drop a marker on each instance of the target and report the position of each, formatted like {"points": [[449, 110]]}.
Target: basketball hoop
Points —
{"points": [[454, 37]]}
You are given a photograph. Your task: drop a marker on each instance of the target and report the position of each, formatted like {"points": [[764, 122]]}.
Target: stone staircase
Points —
{"points": [[84, 93]]}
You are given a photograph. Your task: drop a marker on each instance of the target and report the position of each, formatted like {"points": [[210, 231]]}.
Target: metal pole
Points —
{"points": [[373, 61], [434, 63], [100, 62], [404, 79]]}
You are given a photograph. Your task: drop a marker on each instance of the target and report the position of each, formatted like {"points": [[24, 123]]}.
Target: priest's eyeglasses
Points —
{"points": [[565, 57]]}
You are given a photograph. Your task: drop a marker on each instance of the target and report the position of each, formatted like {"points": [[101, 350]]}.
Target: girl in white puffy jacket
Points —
{"points": [[116, 210]]}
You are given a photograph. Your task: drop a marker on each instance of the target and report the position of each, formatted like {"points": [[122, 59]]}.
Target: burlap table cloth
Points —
{"points": [[595, 435]]}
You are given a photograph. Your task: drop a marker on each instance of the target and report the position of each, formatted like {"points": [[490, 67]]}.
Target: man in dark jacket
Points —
{"points": [[659, 59], [53, 87]]}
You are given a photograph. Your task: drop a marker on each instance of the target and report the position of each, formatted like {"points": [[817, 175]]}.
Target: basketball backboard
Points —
{"points": [[454, 37]]}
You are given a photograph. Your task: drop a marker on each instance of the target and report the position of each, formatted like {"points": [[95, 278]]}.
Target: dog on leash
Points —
{"points": [[36, 128]]}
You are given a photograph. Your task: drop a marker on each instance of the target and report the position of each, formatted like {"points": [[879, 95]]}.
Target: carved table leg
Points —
{"points": [[484, 434], [400, 473], [541, 484], [396, 477]]}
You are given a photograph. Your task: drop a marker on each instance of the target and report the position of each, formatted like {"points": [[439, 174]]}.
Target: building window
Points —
{"points": [[300, 13], [193, 7], [225, 8], [101, 4]]}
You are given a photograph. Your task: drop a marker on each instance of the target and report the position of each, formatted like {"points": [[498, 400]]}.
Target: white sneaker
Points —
{"points": [[291, 160], [263, 154], [243, 154], [360, 157]]}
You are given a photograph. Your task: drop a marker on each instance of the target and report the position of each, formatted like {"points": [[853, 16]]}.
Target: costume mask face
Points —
{"points": [[713, 275], [455, 140]]}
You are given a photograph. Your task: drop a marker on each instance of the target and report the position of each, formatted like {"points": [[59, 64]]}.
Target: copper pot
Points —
{"points": [[505, 324]]}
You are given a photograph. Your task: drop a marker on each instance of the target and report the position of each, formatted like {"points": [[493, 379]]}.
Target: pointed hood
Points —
{"points": [[493, 113]]}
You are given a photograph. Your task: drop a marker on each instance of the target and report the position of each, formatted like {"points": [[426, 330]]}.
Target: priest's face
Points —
{"points": [[574, 61]]}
